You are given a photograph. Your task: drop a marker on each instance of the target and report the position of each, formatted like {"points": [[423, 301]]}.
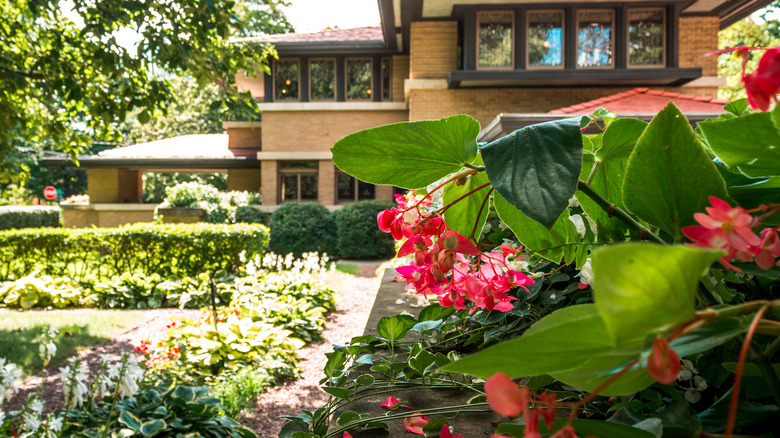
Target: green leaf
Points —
{"points": [[583, 428], [709, 336], [130, 420], [152, 428], [435, 312], [409, 154], [364, 380], [749, 143], [347, 417], [640, 287], [433, 428], [669, 176], [337, 392], [536, 168], [737, 107], [469, 214], [620, 137], [535, 237], [395, 327], [747, 413]]}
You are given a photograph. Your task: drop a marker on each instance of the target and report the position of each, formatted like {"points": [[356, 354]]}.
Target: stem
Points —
{"points": [[738, 372], [593, 170], [447, 181], [462, 197], [614, 210], [593, 394], [481, 208]]}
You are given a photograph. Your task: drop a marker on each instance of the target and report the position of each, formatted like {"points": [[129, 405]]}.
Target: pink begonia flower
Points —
{"points": [[415, 424], [763, 85], [391, 401], [769, 249], [505, 397], [347, 435], [663, 364], [446, 433]]}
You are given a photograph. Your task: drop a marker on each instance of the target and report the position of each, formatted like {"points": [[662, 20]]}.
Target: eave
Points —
{"points": [[156, 164], [573, 78]]}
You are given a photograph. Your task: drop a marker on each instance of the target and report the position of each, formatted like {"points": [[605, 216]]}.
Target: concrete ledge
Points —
{"points": [[332, 106], [109, 207], [295, 155], [253, 125]]}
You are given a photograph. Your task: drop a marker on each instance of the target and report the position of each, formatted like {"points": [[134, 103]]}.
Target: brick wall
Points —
{"points": [[269, 183], [317, 131], [130, 186], [245, 138], [400, 73], [244, 180], [384, 193], [326, 188], [433, 48], [103, 185], [699, 35], [110, 219]]}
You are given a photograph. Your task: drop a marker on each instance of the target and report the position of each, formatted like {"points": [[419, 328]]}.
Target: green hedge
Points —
{"points": [[359, 236], [91, 254], [299, 228], [17, 217]]}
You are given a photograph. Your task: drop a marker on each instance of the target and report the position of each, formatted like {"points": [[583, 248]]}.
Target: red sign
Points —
{"points": [[49, 192]]}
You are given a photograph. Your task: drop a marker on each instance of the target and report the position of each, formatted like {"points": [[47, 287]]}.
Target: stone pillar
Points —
{"points": [[244, 180], [269, 179], [433, 48], [327, 183], [103, 186]]}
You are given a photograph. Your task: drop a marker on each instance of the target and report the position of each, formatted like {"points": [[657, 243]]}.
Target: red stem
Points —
{"points": [[596, 392], [738, 373]]}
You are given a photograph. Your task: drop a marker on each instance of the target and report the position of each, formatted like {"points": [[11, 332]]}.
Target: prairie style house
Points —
{"points": [[505, 63]]}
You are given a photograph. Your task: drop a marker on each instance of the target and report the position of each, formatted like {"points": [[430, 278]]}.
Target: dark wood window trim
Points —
{"points": [[356, 187], [298, 171], [664, 43], [381, 82], [514, 39]]}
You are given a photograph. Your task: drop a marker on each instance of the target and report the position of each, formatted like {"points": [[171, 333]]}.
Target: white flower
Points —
{"points": [[700, 383], [54, 423], [75, 389], [579, 223], [686, 370], [47, 351], [518, 265], [2, 417], [31, 422], [692, 395], [586, 273], [126, 375], [37, 406]]}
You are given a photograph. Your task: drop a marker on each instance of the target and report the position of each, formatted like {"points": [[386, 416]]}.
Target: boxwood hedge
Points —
{"points": [[358, 234], [302, 227], [18, 217]]}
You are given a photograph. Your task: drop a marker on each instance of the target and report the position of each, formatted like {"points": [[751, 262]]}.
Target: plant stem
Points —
{"points": [[614, 210], [443, 209], [481, 208], [593, 170]]}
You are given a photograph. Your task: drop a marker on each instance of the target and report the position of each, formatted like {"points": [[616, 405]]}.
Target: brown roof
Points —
{"points": [[368, 33], [645, 100]]}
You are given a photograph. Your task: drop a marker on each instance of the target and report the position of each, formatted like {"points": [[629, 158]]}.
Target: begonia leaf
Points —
{"points": [[548, 243], [409, 154], [749, 143], [669, 176], [469, 214], [536, 168], [583, 428], [395, 327]]}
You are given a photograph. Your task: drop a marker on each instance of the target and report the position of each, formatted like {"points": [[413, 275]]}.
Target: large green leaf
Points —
{"points": [[408, 154], [548, 243], [583, 428], [470, 213], [620, 137], [749, 143], [395, 327], [669, 175], [536, 168], [640, 287]]}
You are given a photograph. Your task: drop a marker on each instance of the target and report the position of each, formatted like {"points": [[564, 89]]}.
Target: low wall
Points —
{"points": [[106, 215]]}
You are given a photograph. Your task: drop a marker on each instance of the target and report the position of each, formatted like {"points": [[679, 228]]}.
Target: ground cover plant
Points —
{"points": [[628, 278]]}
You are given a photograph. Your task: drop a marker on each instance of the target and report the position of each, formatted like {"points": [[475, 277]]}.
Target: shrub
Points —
{"points": [[17, 217], [220, 207], [190, 194], [249, 215], [43, 291], [358, 234], [302, 227], [93, 254]]}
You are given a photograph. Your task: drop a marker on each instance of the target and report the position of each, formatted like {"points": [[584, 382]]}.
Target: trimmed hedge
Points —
{"points": [[171, 250], [18, 217], [299, 228], [359, 236]]}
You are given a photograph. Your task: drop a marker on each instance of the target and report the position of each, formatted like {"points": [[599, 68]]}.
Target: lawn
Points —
{"points": [[78, 329]]}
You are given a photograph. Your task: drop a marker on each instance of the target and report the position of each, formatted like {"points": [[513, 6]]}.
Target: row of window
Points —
{"points": [[298, 182], [358, 79], [595, 37]]}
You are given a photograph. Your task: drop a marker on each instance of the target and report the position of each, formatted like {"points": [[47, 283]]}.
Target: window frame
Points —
{"points": [[356, 185], [346, 79], [298, 171], [335, 77], [381, 82], [663, 43], [528, 65], [512, 66], [276, 63], [613, 36]]}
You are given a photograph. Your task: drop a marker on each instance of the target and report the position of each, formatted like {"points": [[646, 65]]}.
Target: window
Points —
{"points": [[387, 79], [298, 181], [594, 38], [545, 39], [351, 189], [322, 79], [286, 79], [359, 78], [646, 37], [495, 39]]}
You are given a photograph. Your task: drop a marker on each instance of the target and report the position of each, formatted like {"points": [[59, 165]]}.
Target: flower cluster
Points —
{"points": [[439, 265], [763, 85], [414, 423], [731, 229]]}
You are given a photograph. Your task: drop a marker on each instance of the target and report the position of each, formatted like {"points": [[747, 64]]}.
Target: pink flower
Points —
{"points": [[415, 424], [391, 401], [347, 435], [505, 397], [663, 364], [769, 249], [763, 85], [445, 433]]}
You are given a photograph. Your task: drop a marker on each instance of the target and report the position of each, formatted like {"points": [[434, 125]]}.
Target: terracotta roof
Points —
{"points": [[185, 146], [368, 33], [645, 100]]}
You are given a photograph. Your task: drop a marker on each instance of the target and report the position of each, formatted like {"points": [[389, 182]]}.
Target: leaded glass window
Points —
{"points": [[322, 79], [359, 79], [595, 38], [496, 44], [545, 38], [646, 37], [286, 79]]}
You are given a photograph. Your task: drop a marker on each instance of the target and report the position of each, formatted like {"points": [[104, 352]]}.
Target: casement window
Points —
{"points": [[595, 38], [351, 189], [359, 78], [495, 39], [322, 79], [286, 79], [298, 181], [545, 39], [646, 37], [387, 78]]}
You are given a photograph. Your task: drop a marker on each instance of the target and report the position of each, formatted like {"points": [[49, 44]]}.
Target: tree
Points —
{"points": [[763, 31], [262, 16], [65, 79]]}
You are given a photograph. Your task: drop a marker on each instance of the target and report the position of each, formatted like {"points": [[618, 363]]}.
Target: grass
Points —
{"points": [[347, 268], [78, 329]]}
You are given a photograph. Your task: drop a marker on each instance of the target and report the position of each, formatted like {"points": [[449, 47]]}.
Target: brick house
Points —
{"points": [[507, 64]]}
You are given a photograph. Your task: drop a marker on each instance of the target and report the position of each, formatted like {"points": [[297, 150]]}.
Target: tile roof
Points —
{"points": [[204, 146], [645, 100], [368, 33]]}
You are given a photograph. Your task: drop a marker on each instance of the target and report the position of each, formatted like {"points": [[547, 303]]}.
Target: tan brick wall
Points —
{"points": [[244, 180], [433, 49], [326, 183], [130, 186], [400, 73], [78, 218], [699, 35], [317, 131], [485, 104], [268, 177], [103, 185], [384, 193], [245, 138], [110, 219]]}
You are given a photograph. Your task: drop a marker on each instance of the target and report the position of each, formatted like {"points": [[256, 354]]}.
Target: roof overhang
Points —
{"points": [[332, 48], [157, 164], [573, 78]]}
